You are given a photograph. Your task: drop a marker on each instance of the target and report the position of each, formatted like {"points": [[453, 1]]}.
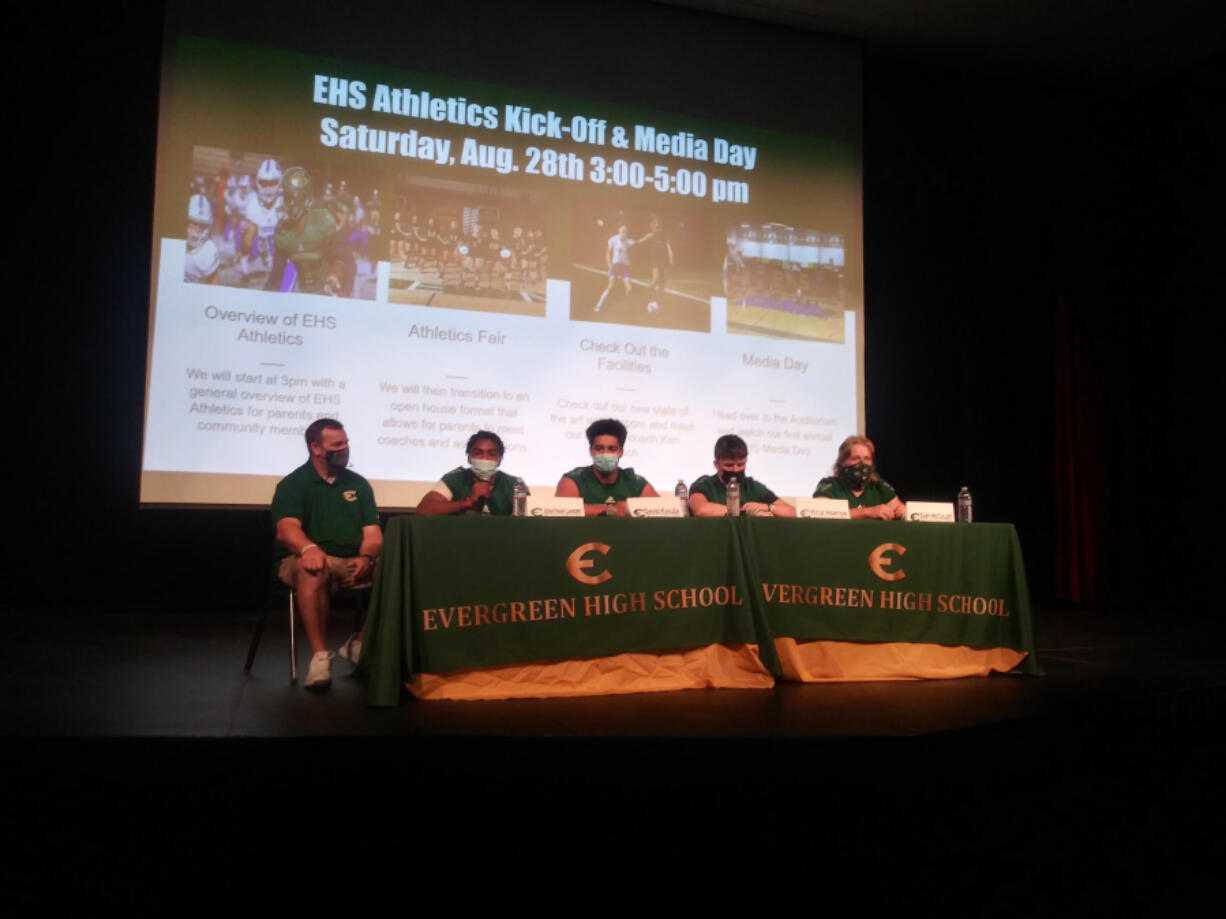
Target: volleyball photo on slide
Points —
{"points": [[641, 266]]}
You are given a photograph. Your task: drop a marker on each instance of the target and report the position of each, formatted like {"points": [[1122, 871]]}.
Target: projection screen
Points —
{"points": [[421, 255]]}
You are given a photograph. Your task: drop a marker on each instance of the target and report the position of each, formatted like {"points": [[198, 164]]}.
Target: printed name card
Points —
{"points": [[822, 509], [553, 507], [654, 507], [929, 512]]}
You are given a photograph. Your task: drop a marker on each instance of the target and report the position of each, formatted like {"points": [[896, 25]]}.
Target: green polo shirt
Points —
{"points": [[875, 493], [461, 480], [713, 489], [593, 491], [332, 514]]}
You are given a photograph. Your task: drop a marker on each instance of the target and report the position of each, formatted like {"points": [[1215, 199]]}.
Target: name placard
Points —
{"points": [[929, 512], [654, 507], [553, 507], [823, 508]]}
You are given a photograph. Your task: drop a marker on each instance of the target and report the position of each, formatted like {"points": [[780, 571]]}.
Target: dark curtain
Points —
{"points": [[1077, 464]]}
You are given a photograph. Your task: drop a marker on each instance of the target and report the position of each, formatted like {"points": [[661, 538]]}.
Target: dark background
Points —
{"points": [[1052, 238], [1040, 264]]}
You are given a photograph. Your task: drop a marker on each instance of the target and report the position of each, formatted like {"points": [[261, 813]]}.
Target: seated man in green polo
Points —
{"points": [[481, 488], [709, 494], [328, 538], [602, 480]]}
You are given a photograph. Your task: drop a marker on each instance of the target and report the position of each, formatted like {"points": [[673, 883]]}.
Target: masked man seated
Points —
{"points": [[482, 488], [328, 539], [603, 485]]}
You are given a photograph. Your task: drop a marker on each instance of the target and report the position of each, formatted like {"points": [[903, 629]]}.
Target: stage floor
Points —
{"points": [[180, 675], [138, 752], [171, 675]]}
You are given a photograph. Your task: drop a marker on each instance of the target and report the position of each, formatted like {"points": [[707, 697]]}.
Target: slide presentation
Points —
{"points": [[422, 256]]}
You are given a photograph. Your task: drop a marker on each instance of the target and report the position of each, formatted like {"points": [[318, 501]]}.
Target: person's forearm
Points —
{"points": [[442, 507], [293, 537], [372, 544]]}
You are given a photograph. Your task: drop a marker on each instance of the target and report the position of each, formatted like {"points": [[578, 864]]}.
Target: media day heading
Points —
{"points": [[521, 120]]}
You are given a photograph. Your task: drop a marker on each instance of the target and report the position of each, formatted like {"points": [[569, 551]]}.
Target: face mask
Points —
{"points": [[856, 477], [484, 469], [337, 459], [726, 477], [605, 462]]}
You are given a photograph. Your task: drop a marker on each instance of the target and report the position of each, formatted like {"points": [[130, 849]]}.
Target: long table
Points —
{"points": [[484, 596]]}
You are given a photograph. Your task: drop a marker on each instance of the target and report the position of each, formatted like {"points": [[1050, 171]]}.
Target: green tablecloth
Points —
{"points": [[453, 593], [869, 580]]}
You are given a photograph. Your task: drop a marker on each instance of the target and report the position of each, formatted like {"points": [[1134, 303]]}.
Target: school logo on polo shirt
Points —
{"points": [[349, 495]]}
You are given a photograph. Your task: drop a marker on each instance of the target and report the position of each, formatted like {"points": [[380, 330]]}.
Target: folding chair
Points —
{"points": [[276, 590]]}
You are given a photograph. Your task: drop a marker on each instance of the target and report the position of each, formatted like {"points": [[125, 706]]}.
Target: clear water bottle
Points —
{"points": [[519, 498], [683, 497], [734, 497], [966, 505], [610, 507]]}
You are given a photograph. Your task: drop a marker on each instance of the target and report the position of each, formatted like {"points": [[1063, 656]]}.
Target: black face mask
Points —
{"points": [[856, 477], [727, 477], [337, 459]]}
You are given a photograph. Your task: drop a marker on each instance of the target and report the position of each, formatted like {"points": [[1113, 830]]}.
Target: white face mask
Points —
{"points": [[484, 469]]}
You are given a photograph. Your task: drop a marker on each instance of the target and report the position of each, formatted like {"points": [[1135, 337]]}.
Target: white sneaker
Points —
{"points": [[351, 650], [320, 674]]}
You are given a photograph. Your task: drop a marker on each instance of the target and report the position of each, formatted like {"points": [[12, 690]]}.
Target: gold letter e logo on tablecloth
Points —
{"points": [[575, 561], [879, 564]]}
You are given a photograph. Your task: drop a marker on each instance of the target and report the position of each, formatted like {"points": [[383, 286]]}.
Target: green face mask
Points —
{"points": [[605, 462], [856, 477]]}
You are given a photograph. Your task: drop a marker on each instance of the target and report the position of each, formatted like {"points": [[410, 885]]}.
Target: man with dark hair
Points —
{"points": [[328, 539], [602, 480], [709, 494], [481, 488]]}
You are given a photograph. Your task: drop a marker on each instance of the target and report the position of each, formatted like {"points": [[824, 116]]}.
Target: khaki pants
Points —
{"points": [[340, 576]]}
